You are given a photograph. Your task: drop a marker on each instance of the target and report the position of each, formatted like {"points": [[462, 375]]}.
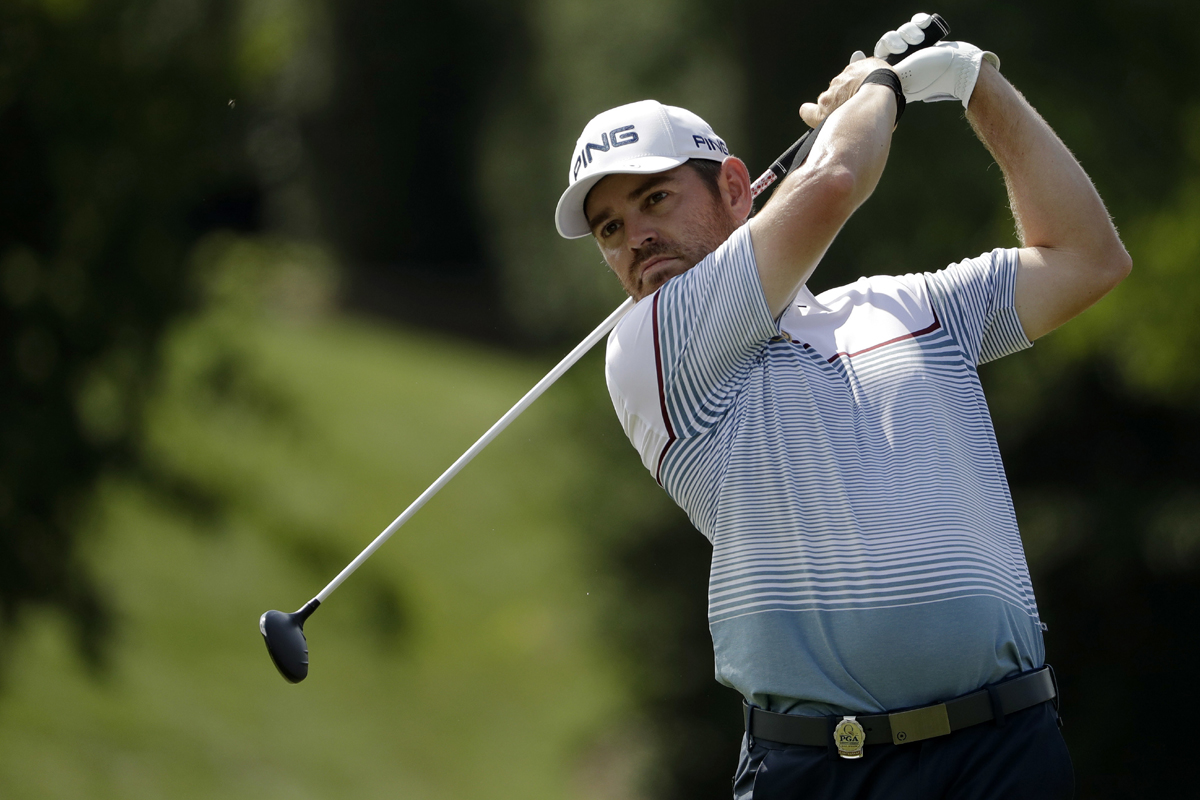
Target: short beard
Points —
{"points": [[699, 240]]}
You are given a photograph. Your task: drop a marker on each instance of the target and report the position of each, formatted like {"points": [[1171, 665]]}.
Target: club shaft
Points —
{"points": [[793, 157], [494, 431], [533, 394]]}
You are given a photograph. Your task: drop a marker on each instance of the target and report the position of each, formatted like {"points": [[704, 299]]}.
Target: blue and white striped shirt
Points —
{"points": [[843, 465]]}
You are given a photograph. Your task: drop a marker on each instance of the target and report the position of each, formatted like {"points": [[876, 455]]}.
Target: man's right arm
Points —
{"points": [[810, 206]]}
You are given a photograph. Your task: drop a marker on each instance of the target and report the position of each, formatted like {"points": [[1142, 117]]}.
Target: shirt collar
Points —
{"points": [[806, 299]]}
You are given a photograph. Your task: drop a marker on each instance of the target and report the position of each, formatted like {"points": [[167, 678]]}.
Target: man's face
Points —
{"points": [[653, 227]]}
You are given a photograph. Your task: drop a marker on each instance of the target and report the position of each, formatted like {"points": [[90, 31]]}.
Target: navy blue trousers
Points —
{"points": [[1023, 759]]}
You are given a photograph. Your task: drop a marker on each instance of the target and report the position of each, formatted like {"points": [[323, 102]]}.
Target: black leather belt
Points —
{"points": [[901, 727]]}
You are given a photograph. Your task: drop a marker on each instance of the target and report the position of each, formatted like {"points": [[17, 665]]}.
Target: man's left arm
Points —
{"points": [[1070, 255]]}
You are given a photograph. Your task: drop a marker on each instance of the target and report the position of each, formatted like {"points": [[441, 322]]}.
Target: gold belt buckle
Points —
{"points": [[850, 738]]}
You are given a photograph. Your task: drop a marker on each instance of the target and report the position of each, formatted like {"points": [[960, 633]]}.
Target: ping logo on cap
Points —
{"points": [[617, 137], [711, 144]]}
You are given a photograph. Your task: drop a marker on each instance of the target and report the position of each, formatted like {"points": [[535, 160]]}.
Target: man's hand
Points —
{"points": [[946, 71], [846, 85], [841, 89]]}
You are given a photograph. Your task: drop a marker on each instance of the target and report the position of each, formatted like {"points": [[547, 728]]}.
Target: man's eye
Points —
{"points": [[655, 198], [610, 228]]}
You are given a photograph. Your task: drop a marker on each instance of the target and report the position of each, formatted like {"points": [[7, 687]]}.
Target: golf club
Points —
{"points": [[284, 633]]}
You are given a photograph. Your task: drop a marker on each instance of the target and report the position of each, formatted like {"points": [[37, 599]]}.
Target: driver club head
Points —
{"points": [[284, 636]]}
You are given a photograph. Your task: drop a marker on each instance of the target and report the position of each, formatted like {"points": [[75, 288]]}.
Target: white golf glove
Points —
{"points": [[946, 71]]}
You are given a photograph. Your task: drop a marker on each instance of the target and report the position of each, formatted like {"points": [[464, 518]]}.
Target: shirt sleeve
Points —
{"points": [[710, 324], [975, 300]]}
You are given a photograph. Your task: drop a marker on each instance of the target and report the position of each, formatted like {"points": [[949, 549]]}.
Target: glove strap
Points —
{"points": [[888, 78]]}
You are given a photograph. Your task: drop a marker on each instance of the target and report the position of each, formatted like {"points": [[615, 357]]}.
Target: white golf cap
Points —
{"points": [[639, 137]]}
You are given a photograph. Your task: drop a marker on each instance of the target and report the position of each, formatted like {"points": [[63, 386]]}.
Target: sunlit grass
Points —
{"points": [[460, 662]]}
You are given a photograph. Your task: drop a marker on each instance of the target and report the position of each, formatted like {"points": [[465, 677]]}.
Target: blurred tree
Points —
{"points": [[396, 146], [123, 144], [112, 120], [395, 155]]}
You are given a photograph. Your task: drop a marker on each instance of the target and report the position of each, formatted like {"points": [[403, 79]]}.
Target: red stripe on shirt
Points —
{"points": [[936, 324], [662, 393]]}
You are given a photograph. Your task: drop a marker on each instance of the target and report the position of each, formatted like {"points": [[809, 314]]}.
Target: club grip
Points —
{"points": [[795, 155], [935, 31]]}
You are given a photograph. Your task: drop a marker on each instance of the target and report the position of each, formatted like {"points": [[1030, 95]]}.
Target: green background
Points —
{"points": [[267, 267]]}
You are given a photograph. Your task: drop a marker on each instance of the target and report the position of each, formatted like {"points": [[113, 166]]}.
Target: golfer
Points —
{"points": [[869, 595]]}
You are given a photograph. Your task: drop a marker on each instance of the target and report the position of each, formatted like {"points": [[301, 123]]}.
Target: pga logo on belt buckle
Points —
{"points": [[850, 738]]}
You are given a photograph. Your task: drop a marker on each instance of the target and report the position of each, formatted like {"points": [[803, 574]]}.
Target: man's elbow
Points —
{"points": [[837, 191], [1101, 263], [1115, 263], [1124, 264]]}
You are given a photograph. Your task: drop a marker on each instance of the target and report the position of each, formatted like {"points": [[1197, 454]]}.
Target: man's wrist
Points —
{"points": [[887, 78], [985, 84]]}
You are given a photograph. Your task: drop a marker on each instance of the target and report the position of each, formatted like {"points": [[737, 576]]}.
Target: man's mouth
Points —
{"points": [[654, 262]]}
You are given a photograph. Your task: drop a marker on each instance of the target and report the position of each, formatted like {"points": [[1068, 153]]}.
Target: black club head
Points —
{"points": [[284, 636]]}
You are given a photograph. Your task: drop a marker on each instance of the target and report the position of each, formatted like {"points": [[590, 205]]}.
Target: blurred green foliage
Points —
{"points": [[438, 673], [123, 144], [138, 138], [110, 149]]}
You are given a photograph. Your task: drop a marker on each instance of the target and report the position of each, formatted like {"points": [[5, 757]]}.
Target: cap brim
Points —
{"points": [[569, 217]]}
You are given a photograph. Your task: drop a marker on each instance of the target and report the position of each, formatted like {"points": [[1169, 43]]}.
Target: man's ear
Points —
{"points": [[734, 181]]}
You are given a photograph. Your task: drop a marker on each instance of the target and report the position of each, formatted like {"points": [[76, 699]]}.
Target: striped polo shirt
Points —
{"points": [[843, 465]]}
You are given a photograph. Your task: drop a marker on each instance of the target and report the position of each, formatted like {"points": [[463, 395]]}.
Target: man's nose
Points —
{"points": [[640, 232]]}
